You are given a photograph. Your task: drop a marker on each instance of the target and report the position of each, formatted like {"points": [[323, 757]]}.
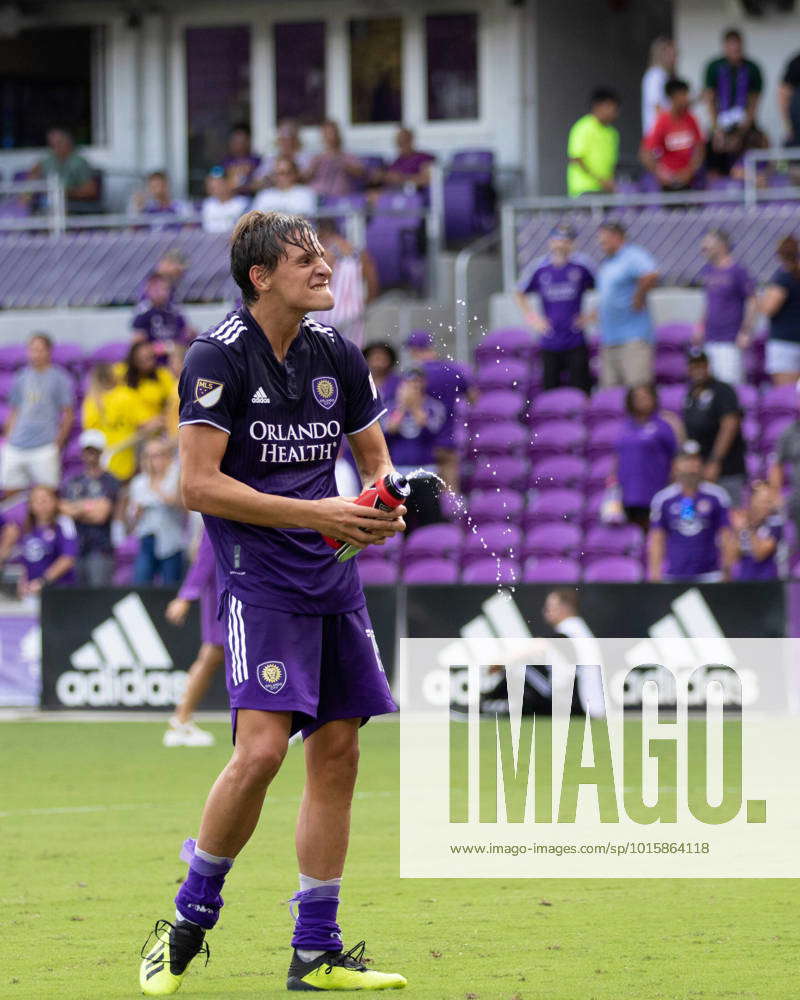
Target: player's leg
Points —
{"points": [[182, 730]]}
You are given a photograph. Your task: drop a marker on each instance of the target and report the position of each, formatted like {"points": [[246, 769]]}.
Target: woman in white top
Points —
{"points": [[157, 516], [222, 207], [663, 57], [288, 195]]}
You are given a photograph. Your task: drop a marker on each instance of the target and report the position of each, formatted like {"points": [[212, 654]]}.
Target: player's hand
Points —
{"points": [[347, 521], [177, 610]]}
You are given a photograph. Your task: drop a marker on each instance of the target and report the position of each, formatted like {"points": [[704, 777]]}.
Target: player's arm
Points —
{"points": [[371, 454], [204, 487]]}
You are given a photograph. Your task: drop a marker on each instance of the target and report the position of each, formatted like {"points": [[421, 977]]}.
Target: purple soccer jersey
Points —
{"points": [[285, 421], [157, 324], [692, 525], [200, 583], [43, 545], [749, 567], [727, 290], [645, 452], [561, 289]]}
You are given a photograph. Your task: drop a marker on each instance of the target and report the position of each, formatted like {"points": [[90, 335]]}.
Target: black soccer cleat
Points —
{"points": [[340, 970], [166, 955]]}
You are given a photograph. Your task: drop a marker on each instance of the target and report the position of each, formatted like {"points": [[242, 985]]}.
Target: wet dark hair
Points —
{"points": [[260, 239], [380, 345], [648, 387], [675, 86]]}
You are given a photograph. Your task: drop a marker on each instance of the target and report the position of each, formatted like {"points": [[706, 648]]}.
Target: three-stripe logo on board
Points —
{"points": [[237, 641], [127, 639]]}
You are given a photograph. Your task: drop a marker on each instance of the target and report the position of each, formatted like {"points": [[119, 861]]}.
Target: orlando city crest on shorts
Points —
{"points": [[325, 391], [207, 392], [271, 676]]}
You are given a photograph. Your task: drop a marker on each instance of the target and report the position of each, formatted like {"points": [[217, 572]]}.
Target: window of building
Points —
{"points": [[300, 71], [376, 69], [451, 43], [48, 76], [217, 94]]}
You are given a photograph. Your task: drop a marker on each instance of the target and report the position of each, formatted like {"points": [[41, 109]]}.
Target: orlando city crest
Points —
{"points": [[325, 391], [271, 676], [207, 392]]}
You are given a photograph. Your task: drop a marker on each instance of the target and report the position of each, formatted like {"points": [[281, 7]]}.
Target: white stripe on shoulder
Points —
{"points": [[184, 423], [229, 331], [360, 429], [312, 324], [660, 498]]}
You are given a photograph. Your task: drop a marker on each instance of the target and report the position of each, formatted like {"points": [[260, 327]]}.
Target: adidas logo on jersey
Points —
{"points": [[260, 396]]}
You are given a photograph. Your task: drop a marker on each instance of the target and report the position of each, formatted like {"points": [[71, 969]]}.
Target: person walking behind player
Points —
{"points": [[560, 279], [265, 398], [200, 584]]}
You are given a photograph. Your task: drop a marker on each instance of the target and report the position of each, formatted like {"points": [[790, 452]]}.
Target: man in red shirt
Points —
{"points": [[673, 150]]}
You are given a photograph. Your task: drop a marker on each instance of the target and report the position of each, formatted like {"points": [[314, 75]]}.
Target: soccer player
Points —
{"points": [[199, 584], [265, 398]]}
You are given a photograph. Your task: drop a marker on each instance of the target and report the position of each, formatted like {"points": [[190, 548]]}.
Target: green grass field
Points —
{"points": [[93, 815]]}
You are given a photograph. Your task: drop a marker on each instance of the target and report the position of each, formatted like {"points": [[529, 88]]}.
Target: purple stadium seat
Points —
{"points": [[505, 473], [748, 397], [431, 571], [469, 194], [674, 336], [606, 404], [551, 570], [594, 504], [614, 569], [388, 552], [670, 367], [603, 439], [6, 381], [771, 430], [548, 506], [779, 401], [484, 506], [558, 538], [110, 353], [433, 541], [494, 406], [671, 397], [498, 539], [506, 438], [600, 470], [68, 354], [503, 373], [558, 404], [494, 571], [13, 356], [559, 471], [394, 237], [376, 571], [510, 341], [613, 540], [558, 437]]}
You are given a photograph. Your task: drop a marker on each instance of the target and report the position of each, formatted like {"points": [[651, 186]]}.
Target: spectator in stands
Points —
{"points": [[288, 194], [411, 165], [690, 526], [381, 360], [757, 532], [354, 282], [780, 301], [115, 409], [241, 163], [733, 86], [49, 544], [152, 384], [593, 146], [731, 308], [712, 417], [73, 170], [334, 172], [673, 150], [9, 536], [663, 57], [789, 100], [157, 517], [446, 382], [90, 499], [560, 279], [161, 323], [289, 147], [157, 198], [221, 208], [414, 423], [172, 267], [645, 452], [787, 452], [624, 280], [42, 410]]}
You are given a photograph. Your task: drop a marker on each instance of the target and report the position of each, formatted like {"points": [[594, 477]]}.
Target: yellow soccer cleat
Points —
{"points": [[340, 970], [166, 955]]}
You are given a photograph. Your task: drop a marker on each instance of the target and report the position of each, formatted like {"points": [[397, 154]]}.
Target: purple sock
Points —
{"points": [[315, 926], [199, 898]]}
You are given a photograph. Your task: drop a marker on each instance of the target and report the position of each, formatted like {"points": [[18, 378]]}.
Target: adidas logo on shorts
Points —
{"points": [[260, 396]]}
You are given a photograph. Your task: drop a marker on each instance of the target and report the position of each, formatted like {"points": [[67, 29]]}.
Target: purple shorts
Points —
{"points": [[211, 628], [320, 667]]}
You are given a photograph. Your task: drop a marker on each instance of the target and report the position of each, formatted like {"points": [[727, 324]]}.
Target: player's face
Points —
{"points": [[301, 279]]}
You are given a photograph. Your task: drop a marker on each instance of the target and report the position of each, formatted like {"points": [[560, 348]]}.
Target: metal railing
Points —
{"points": [[775, 154]]}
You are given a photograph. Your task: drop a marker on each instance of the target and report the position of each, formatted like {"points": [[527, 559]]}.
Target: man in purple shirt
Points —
{"points": [[690, 526], [266, 396], [159, 322], [561, 279], [730, 312]]}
